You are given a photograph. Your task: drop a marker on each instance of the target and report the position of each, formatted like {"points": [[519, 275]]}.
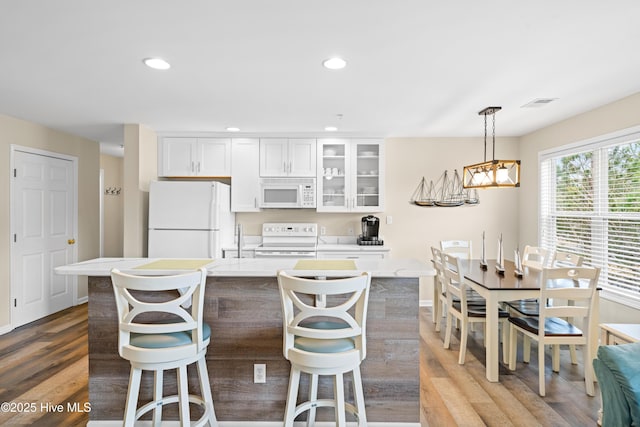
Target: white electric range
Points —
{"points": [[288, 240]]}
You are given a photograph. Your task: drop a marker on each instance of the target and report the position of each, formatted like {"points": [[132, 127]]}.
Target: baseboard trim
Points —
{"points": [[116, 423], [5, 329], [425, 303]]}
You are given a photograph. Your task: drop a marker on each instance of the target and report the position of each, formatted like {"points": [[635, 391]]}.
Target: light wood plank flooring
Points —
{"points": [[45, 362], [453, 394]]}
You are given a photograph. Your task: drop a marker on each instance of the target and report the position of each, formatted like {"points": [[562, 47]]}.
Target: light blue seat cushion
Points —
{"points": [[618, 370], [324, 346], [174, 339]]}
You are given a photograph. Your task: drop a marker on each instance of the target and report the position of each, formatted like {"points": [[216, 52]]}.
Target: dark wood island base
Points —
{"points": [[245, 317]]}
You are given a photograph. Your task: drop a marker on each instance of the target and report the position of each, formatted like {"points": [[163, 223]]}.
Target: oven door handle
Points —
{"points": [[284, 254]]}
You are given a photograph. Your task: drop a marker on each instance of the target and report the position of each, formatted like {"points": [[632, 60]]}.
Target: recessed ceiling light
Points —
{"points": [[334, 63], [330, 128], [157, 63], [233, 129]]}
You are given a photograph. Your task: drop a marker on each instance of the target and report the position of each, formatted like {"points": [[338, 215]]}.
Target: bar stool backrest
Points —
{"points": [[309, 305], [138, 297]]}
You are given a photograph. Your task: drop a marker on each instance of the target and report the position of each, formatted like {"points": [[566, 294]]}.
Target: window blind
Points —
{"points": [[590, 205]]}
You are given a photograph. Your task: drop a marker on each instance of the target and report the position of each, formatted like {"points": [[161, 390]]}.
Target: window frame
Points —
{"points": [[546, 208]]}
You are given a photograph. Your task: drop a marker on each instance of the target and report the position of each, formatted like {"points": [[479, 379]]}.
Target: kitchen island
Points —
{"points": [[242, 306]]}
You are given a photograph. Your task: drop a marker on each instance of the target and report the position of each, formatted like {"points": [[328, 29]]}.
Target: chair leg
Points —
{"points": [[505, 342], [588, 370], [541, 377], [157, 396], [526, 349], [338, 395], [437, 312], [132, 397], [292, 395], [464, 333], [313, 396], [513, 347], [205, 389], [183, 396], [358, 394], [447, 333], [555, 358], [574, 356]]}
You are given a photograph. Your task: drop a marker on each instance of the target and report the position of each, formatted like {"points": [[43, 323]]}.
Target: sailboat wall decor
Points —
{"points": [[447, 192]]}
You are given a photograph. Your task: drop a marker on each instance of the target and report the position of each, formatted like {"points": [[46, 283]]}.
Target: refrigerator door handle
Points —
{"points": [[214, 214]]}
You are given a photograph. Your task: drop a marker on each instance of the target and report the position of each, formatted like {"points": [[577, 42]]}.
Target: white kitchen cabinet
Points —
{"points": [[245, 176], [194, 157], [287, 157], [350, 175]]}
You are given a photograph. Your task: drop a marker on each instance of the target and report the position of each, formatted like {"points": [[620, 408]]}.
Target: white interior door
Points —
{"points": [[43, 225]]}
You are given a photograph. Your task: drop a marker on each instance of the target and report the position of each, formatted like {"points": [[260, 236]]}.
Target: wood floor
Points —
{"points": [[44, 364], [453, 394]]}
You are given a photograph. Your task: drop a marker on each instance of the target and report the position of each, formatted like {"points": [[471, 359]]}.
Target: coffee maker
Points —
{"points": [[370, 228]]}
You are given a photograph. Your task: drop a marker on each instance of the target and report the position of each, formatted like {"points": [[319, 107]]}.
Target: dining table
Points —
{"points": [[496, 287]]}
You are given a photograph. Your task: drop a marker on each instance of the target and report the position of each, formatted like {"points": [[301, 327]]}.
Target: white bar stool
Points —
{"points": [[176, 341], [324, 340]]}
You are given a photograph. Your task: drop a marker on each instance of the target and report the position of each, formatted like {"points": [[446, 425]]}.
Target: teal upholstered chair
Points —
{"points": [[618, 371]]}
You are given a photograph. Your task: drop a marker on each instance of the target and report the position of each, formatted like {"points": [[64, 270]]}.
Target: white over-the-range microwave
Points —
{"points": [[282, 193]]}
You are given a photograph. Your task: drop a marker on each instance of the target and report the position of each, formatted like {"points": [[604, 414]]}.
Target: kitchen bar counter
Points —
{"points": [[242, 306], [252, 267]]}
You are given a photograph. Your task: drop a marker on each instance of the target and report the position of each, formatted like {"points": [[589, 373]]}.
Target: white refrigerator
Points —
{"points": [[189, 219]]}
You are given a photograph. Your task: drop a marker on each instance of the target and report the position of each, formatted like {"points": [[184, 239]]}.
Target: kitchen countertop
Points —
{"points": [[252, 267], [325, 244]]}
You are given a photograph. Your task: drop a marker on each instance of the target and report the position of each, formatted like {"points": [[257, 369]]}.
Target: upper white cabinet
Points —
{"points": [[350, 175], [187, 156], [245, 176], [287, 157]]}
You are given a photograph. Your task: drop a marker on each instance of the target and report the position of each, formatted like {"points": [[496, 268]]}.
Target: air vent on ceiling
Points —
{"points": [[539, 102]]}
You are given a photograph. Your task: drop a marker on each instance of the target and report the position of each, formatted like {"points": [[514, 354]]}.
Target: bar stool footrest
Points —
{"points": [[167, 400]]}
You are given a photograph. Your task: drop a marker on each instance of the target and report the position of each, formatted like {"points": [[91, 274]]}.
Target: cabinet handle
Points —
{"points": [[284, 167], [193, 166], [198, 167], [290, 166]]}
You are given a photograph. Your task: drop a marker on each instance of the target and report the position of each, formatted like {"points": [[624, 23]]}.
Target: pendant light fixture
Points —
{"points": [[493, 173]]}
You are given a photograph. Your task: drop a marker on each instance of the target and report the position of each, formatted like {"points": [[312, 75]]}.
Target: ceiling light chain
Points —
{"points": [[493, 173]]}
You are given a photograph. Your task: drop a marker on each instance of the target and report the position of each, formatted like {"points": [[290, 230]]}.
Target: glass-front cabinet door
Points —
{"points": [[369, 184], [350, 175], [333, 172]]}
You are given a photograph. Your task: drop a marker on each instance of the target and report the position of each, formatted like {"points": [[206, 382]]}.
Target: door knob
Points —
{"points": [[71, 241]]}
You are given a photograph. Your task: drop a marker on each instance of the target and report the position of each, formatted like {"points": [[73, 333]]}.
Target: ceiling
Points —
{"points": [[419, 68]]}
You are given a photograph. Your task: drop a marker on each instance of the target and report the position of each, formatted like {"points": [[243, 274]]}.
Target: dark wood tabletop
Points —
{"points": [[491, 280]]}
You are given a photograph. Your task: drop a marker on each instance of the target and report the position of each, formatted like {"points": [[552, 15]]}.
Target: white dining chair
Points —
{"points": [[324, 339], [550, 328], [567, 259], [535, 257], [459, 308], [529, 307], [178, 338], [458, 248]]}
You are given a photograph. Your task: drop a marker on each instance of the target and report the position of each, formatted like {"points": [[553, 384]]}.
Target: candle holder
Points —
{"points": [[518, 262]]}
